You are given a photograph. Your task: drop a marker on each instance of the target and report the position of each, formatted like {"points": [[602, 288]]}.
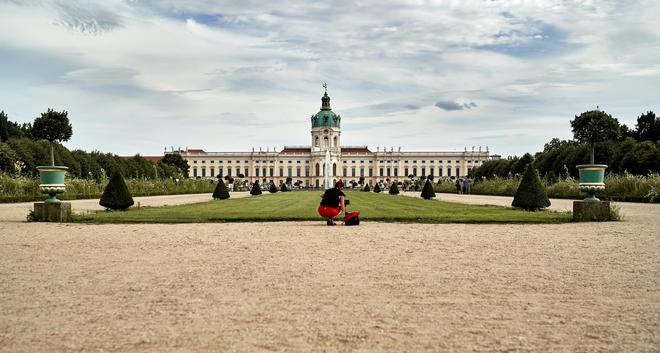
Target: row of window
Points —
{"points": [[383, 171], [307, 162]]}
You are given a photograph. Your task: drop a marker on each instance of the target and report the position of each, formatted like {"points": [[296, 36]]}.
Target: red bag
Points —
{"points": [[352, 218]]}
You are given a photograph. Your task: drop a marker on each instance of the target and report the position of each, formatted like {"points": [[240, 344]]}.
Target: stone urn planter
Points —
{"points": [[51, 181], [591, 180]]}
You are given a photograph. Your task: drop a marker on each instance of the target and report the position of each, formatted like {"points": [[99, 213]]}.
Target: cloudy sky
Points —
{"points": [[139, 75]]}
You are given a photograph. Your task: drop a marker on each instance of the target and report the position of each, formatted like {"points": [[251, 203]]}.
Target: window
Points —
{"points": [[220, 172], [318, 169], [423, 171], [264, 171], [195, 172], [247, 161], [272, 171], [247, 171], [298, 170], [306, 170], [325, 141], [334, 169], [212, 171], [316, 141], [414, 171], [362, 172], [298, 162], [458, 161], [238, 162], [238, 171], [203, 162], [440, 171], [290, 171], [381, 171], [431, 170], [334, 141], [458, 171], [423, 161], [353, 162], [212, 162], [405, 172], [345, 171], [389, 171], [396, 171], [353, 171], [281, 171], [220, 162], [203, 172], [448, 171], [195, 162], [256, 171]]}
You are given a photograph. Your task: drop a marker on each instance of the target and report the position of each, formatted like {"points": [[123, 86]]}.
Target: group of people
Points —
{"points": [[462, 186]]}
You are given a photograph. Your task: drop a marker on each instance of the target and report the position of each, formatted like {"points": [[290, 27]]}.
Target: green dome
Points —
{"points": [[325, 118]]}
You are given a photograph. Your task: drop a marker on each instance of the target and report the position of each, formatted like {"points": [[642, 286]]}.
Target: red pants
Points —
{"points": [[329, 212]]}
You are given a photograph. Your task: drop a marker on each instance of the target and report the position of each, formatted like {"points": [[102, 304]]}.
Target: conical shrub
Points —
{"points": [[116, 195], [531, 194], [220, 192], [256, 189], [394, 189], [427, 191], [376, 188], [273, 188], [366, 188], [283, 188]]}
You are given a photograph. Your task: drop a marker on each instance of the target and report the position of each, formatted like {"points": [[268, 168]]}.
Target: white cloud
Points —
{"points": [[231, 75]]}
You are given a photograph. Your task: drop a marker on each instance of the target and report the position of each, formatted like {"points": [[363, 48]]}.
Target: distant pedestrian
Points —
{"points": [[458, 186], [466, 186]]}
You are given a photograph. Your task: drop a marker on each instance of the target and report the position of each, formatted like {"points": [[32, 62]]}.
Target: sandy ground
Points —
{"points": [[302, 287]]}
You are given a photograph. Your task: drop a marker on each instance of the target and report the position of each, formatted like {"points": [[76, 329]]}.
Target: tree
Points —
{"points": [[283, 188], [176, 160], [116, 195], [366, 188], [520, 164], [7, 158], [52, 126], [273, 188], [256, 188], [531, 194], [595, 126], [648, 127], [376, 188], [427, 191], [394, 189], [220, 192], [10, 129]]}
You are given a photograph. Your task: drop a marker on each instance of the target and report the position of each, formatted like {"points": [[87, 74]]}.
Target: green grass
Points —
{"points": [[301, 206]]}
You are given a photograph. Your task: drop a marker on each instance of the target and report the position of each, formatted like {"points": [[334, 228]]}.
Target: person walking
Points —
{"points": [[466, 186], [458, 186]]}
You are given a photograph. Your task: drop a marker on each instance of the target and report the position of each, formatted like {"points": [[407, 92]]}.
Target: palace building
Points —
{"points": [[305, 164]]}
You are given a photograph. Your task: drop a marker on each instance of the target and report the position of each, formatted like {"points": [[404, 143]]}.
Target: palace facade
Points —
{"points": [[305, 164]]}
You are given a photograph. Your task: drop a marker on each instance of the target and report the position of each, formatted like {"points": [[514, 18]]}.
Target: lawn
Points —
{"points": [[301, 206]]}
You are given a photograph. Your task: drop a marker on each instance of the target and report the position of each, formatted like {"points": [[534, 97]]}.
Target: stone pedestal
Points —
{"points": [[52, 212], [591, 211]]}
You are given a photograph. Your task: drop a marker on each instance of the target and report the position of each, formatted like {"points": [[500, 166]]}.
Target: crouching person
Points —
{"points": [[333, 202]]}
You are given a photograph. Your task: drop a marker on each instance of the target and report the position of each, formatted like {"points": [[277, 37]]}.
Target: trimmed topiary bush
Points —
{"points": [[394, 189], [376, 188], [366, 188], [427, 191], [283, 188], [531, 194], [273, 188], [220, 192], [116, 195], [256, 189]]}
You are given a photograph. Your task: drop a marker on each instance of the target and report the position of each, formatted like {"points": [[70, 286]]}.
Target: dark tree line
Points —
{"points": [[634, 151], [18, 144]]}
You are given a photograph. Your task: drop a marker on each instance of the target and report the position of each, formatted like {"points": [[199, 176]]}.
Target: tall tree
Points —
{"points": [[52, 126], [176, 160], [595, 126], [648, 127]]}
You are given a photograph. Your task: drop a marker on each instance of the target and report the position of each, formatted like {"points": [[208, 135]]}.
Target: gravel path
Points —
{"points": [[303, 287]]}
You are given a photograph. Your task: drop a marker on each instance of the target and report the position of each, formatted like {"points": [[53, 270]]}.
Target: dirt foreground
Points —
{"points": [[303, 287]]}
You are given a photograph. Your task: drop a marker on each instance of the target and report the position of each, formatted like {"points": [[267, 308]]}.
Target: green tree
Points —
{"points": [[648, 127], [273, 188], [220, 192], [531, 194], [176, 160], [7, 158], [283, 188], [366, 188], [256, 188], [394, 189], [595, 126], [116, 195], [9, 129], [52, 126], [377, 188], [427, 191]]}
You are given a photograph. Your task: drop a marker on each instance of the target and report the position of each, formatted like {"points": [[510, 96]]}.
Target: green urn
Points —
{"points": [[592, 178], [51, 181]]}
